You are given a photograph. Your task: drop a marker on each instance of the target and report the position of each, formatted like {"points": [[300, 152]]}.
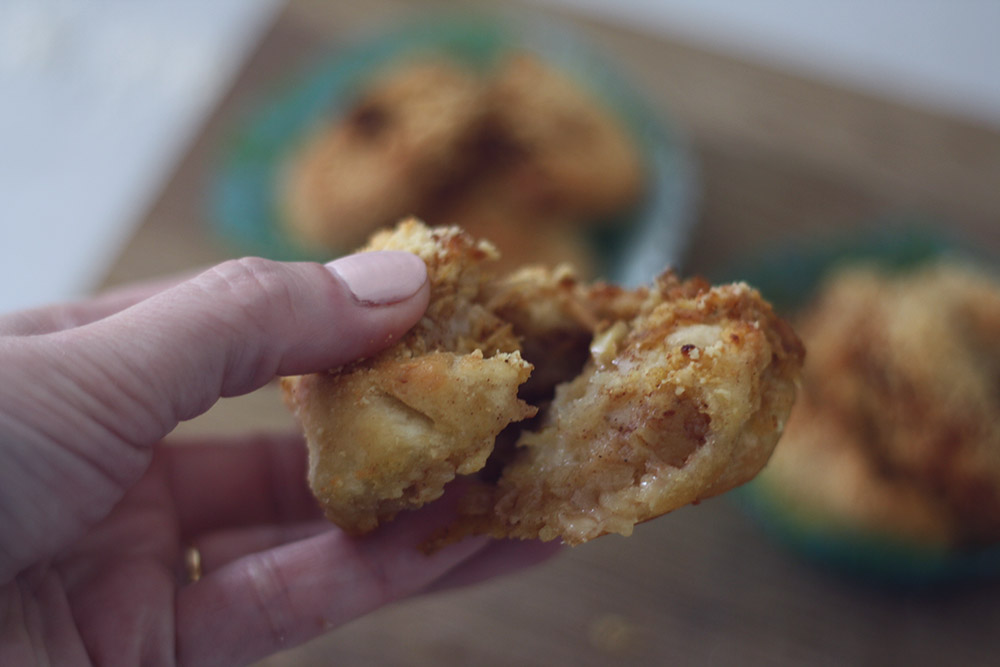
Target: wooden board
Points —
{"points": [[779, 157]]}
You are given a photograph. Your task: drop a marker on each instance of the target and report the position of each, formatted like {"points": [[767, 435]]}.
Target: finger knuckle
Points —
{"points": [[269, 594], [252, 277], [257, 287]]}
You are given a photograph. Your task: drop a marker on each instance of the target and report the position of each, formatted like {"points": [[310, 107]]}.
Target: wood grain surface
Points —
{"points": [[779, 157]]}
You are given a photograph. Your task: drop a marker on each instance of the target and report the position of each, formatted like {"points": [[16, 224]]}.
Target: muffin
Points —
{"points": [[574, 409], [892, 454], [517, 151]]}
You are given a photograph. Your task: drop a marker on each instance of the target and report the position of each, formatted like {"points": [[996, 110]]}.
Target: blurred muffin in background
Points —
{"points": [[517, 151], [408, 133], [576, 159], [894, 444]]}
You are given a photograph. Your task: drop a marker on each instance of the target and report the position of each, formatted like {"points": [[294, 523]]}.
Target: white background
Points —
{"points": [[941, 54], [99, 98]]}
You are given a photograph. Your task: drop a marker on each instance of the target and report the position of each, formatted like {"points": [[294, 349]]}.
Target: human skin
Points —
{"points": [[97, 510]]}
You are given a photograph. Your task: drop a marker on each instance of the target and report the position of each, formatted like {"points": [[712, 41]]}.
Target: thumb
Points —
{"points": [[79, 407], [233, 328]]}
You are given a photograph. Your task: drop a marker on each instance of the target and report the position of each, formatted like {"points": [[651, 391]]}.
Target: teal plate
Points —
{"points": [[788, 276], [865, 556], [244, 198]]}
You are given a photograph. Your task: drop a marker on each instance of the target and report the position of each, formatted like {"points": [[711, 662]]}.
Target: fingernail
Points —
{"points": [[381, 277]]}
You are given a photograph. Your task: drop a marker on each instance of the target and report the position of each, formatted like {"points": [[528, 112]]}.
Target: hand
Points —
{"points": [[96, 513]]}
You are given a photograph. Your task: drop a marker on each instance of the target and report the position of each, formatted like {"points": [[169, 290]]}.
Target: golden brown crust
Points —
{"points": [[662, 396], [389, 432], [680, 402], [388, 436]]}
